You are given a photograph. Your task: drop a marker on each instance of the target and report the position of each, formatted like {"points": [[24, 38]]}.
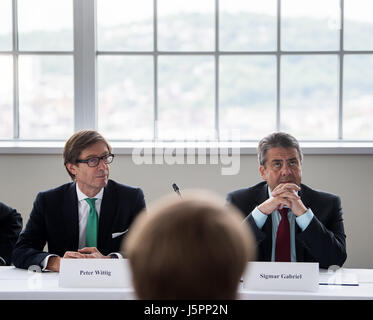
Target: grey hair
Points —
{"points": [[277, 140]]}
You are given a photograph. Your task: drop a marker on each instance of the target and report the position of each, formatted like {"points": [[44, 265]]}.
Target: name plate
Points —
{"points": [[292, 276], [95, 273]]}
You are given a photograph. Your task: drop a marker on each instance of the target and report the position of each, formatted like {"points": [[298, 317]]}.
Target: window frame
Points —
{"points": [[85, 56]]}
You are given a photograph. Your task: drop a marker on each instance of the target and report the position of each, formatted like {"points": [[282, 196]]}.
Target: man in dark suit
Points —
{"points": [[87, 218], [291, 221], [10, 227]]}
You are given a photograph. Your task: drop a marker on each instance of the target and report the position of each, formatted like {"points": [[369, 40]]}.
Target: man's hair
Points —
{"points": [[77, 143], [196, 247], [277, 140]]}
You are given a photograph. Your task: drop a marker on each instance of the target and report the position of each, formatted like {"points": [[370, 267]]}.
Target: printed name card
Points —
{"points": [[95, 273], [292, 276]]}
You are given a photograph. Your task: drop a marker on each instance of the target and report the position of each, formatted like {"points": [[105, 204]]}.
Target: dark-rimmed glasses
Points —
{"points": [[94, 161]]}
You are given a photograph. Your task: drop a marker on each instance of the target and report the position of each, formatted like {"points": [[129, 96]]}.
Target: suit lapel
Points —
{"points": [[71, 217], [267, 227], [299, 246], [107, 214], [304, 195], [263, 194]]}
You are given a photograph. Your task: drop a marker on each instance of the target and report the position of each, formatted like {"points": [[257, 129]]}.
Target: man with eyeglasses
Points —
{"points": [[291, 221], [87, 218]]}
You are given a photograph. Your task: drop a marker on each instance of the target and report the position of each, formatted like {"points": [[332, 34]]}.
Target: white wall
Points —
{"points": [[349, 176]]}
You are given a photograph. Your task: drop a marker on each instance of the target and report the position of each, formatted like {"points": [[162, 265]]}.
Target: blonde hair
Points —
{"points": [[191, 248]]}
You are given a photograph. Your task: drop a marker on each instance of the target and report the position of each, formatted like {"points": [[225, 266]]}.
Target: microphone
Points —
{"points": [[176, 189]]}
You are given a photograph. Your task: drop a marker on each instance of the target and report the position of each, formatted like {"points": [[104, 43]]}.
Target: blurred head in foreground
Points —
{"points": [[195, 247]]}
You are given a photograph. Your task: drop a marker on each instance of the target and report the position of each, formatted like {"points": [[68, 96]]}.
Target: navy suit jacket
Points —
{"points": [[324, 239], [10, 227], [54, 220]]}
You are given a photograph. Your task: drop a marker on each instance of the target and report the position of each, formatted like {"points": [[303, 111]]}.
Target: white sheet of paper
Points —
{"points": [[339, 277]]}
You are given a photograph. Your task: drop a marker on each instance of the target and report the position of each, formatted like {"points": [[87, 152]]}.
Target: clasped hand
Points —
{"points": [[285, 194], [84, 253]]}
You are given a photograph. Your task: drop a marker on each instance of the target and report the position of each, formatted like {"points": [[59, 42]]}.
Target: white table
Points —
{"points": [[18, 284], [364, 291]]}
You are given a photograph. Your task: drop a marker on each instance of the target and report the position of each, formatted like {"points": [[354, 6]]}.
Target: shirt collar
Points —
{"points": [[82, 196]]}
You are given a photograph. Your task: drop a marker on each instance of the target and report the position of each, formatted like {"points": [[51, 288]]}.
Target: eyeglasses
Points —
{"points": [[94, 161]]}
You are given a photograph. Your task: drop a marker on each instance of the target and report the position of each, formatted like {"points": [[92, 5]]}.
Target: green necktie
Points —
{"points": [[92, 223]]}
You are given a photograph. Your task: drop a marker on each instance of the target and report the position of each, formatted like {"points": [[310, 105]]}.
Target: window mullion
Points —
{"points": [[340, 76], [85, 94], [15, 71], [278, 71], [155, 61], [217, 56]]}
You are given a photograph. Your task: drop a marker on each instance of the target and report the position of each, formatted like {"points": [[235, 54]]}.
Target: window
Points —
{"points": [[37, 56], [174, 70]]}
